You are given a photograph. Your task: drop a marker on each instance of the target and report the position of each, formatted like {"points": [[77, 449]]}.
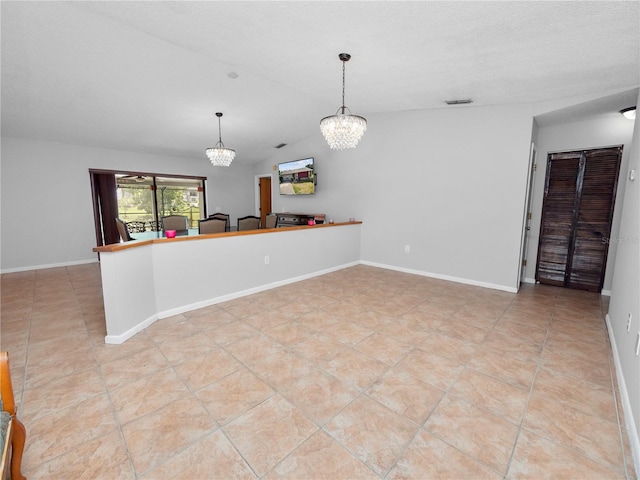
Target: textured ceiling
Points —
{"points": [[149, 76]]}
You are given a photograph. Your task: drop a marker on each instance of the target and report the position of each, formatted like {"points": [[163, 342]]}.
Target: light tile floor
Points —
{"points": [[361, 373]]}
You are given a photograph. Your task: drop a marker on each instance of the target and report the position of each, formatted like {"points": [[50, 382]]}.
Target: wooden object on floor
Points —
{"points": [[18, 432]]}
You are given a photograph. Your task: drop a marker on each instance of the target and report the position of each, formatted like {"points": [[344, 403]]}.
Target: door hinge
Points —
{"points": [[535, 167], [524, 262], [529, 216]]}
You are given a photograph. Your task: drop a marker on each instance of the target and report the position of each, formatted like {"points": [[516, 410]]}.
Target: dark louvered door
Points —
{"points": [[577, 212], [557, 218], [595, 214]]}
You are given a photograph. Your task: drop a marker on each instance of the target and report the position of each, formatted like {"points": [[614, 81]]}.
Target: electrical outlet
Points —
{"points": [[267, 260], [407, 248], [629, 323]]}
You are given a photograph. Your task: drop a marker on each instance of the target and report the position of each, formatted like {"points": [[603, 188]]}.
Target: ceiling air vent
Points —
{"points": [[281, 145], [462, 101]]}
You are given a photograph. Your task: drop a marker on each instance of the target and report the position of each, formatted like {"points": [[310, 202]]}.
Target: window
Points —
{"points": [[143, 198]]}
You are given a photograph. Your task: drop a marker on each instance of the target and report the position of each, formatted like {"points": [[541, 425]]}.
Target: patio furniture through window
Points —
{"points": [[136, 227]]}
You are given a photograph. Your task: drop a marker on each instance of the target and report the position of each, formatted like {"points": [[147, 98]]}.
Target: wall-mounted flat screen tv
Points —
{"points": [[297, 177]]}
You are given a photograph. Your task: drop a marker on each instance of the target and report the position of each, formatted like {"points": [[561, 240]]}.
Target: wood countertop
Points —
{"points": [[115, 247]]}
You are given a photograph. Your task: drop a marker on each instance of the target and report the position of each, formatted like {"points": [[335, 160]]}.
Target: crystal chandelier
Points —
{"points": [[219, 155], [343, 130]]}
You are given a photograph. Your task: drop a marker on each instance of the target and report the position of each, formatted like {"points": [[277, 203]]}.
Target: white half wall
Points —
{"points": [[46, 205], [175, 276]]}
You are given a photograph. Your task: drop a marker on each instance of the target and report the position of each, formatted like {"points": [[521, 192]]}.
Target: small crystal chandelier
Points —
{"points": [[219, 155], [341, 130]]}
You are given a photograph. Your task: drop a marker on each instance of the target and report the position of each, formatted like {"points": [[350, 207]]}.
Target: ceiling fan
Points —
{"points": [[135, 178]]}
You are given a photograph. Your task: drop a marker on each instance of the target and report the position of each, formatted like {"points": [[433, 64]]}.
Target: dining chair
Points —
{"points": [[179, 223], [249, 222], [225, 217], [123, 231], [271, 220], [212, 225]]}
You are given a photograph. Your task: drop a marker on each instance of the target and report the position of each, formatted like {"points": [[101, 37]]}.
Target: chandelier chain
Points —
{"points": [[343, 80], [219, 115]]}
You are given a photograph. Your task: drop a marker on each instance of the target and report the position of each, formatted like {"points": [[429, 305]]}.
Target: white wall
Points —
{"points": [[586, 134], [625, 296], [46, 206], [449, 183]]}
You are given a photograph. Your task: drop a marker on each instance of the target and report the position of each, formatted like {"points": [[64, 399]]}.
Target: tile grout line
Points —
{"points": [[103, 381], [104, 384], [526, 406]]}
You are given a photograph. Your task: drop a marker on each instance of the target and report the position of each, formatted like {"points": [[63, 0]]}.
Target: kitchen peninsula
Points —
{"points": [[146, 280]]}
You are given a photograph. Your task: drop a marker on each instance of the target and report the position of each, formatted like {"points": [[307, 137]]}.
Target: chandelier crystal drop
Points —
{"points": [[219, 155], [343, 130]]}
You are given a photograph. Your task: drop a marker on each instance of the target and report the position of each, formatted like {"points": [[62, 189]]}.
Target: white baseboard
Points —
{"points": [[606, 293], [630, 424], [49, 265], [123, 337], [250, 291], [465, 281]]}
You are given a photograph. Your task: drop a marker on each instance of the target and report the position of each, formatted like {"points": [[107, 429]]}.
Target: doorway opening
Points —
{"points": [[263, 197]]}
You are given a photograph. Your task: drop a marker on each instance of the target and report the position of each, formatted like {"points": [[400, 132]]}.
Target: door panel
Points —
{"points": [[595, 214], [557, 220], [265, 199]]}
